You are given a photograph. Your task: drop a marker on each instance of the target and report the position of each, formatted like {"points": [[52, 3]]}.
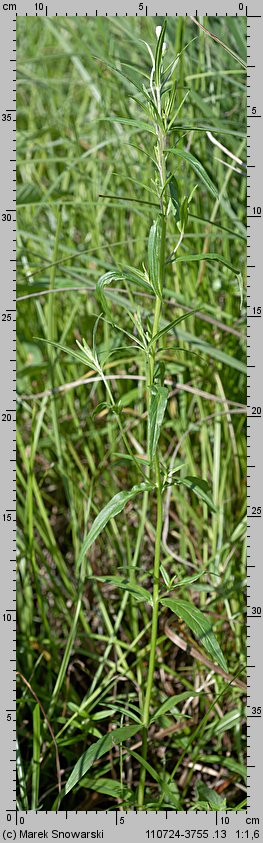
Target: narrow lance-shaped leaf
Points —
{"points": [[199, 487], [141, 125], [169, 704], [158, 403], [112, 508], [186, 580], [158, 56], [95, 751], [138, 592], [117, 790], [201, 626], [197, 167], [131, 79], [171, 325], [205, 256], [130, 275], [83, 358]]}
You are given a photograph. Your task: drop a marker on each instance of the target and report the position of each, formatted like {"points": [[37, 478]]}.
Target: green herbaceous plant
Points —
{"points": [[117, 824]]}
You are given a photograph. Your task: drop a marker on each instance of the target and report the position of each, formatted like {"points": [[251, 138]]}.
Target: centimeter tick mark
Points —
{"points": [[143, 13]]}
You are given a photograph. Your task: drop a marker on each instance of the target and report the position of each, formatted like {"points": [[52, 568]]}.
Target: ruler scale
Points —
{"points": [[119, 825]]}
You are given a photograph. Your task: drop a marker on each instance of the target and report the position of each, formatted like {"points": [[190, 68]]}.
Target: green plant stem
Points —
{"points": [[161, 165], [134, 611], [149, 382], [157, 313], [154, 632]]}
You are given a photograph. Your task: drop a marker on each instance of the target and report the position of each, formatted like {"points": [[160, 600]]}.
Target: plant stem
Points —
{"points": [[161, 165], [149, 382], [154, 632], [156, 570]]}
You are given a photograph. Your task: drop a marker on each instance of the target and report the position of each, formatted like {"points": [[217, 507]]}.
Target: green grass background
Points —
{"points": [[69, 153]]}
